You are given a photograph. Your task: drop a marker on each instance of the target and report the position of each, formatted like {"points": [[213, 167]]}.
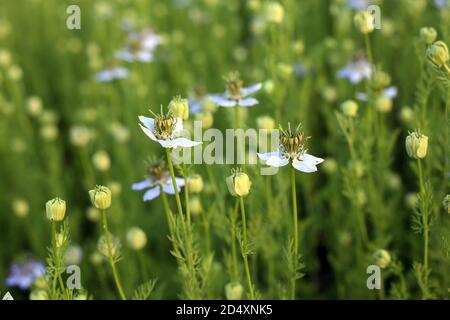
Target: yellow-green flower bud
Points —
{"points": [[274, 12], [34, 105], [437, 53], [349, 108], [40, 283], [383, 104], [73, 255], [381, 79], [93, 214], [416, 145], [101, 160], [406, 115], [55, 209], [103, 248], [195, 183], [364, 21], [428, 35], [266, 123], [20, 208], [136, 238], [382, 258], [269, 86], [100, 197], [195, 205], [207, 119], [411, 200], [38, 295], [179, 108], [239, 184], [234, 291], [446, 203]]}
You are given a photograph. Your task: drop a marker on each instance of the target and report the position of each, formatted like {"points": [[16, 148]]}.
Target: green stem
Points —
{"points": [[295, 221], [368, 49], [174, 181], [245, 248], [168, 212], [186, 195], [57, 262], [237, 122], [111, 258], [424, 216], [233, 242]]}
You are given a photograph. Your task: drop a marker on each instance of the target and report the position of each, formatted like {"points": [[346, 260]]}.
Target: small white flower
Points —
{"points": [[292, 150], [157, 179], [111, 74], [389, 92], [154, 186], [166, 131], [236, 94], [356, 71], [140, 47]]}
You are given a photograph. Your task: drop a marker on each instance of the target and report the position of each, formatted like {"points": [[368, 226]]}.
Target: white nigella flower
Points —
{"points": [[111, 74], [441, 4], [166, 130], [140, 47], [236, 94], [158, 179], [199, 100], [356, 71], [389, 92], [292, 150]]}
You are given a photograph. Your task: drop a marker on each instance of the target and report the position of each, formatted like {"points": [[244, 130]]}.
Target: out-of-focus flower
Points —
{"points": [[365, 21], [357, 4], [34, 105], [411, 200], [157, 178], [195, 183], [20, 208], [23, 274], [101, 160], [49, 132], [330, 166], [15, 73], [206, 118], [120, 133], [195, 205], [73, 255], [383, 104], [292, 150], [428, 35], [136, 238], [236, 94], [140, 46], [349, 108], [441, 4], [406, 115], [234, 291], [38, 295], [265, 122], [274, 12], [93, 214], [111, 74], [80, 135], [382, 258], [5, 57], [356, 71]]}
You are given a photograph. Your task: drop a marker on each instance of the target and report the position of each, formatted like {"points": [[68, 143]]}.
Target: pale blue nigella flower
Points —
{"points": [[111, 74], [389, 92], [23, 274], [155, 184], [355, 71]]}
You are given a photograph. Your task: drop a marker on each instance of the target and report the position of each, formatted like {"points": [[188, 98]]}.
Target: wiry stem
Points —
{"points": [[295, 221], [245, 249]]}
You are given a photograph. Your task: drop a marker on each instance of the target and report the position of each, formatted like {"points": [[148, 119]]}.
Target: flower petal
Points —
{"points": [[223, 101], [390, 92], [266, 156], [251, 89], [148, 122], [310, 159], [151, 193], [304, 166], [149, 133], [141, 185], [169, 189], [178, 126], [185, 143], [248, 102]]}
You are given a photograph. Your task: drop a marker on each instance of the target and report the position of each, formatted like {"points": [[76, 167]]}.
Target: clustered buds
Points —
{"points": [[238, 184], [416, 145], [55, 209], [100, 197]]}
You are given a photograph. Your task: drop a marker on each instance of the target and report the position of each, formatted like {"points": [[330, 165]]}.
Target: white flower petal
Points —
{"points": [[151, 193], [248, 102], [125, 55], [180, 181], [144, 56], [304, 166], [223, 101], [178, 126], [185, 143], [149, 133], [251, 89], [148, 122], [311, 159], [266, 156], [144, 184]]}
